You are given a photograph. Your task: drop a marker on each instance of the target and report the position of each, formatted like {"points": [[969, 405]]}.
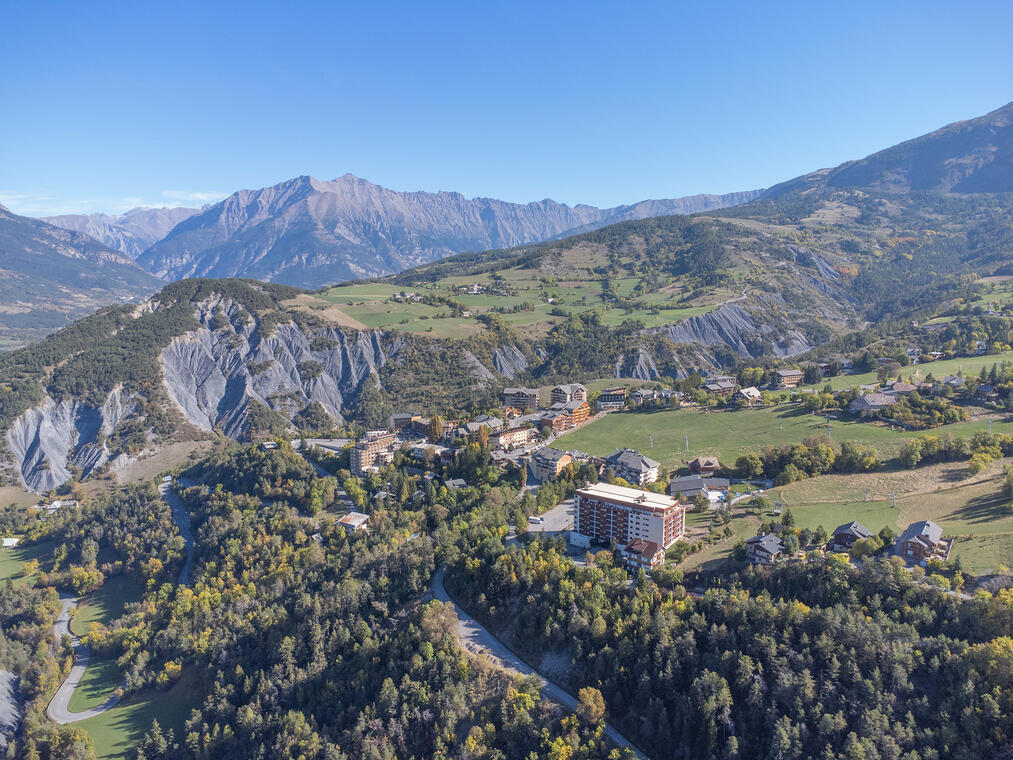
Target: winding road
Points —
{"points": [[59, 710], [479, 640]]}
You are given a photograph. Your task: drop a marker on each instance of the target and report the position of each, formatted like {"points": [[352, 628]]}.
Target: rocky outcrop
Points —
{"points": [[130, 233], [733, 326], [510, 361], [215, 374], [47, 440], [10, 707]]}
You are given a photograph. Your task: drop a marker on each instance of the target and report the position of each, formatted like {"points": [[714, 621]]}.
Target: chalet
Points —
{"points": [[980, 347], [454, 483], [764, 550], [788, 378], [632, 466], [525, 399], [688, 488], [922, 541], [640, 395], [354, 522], [987, 393], [871, 402], [914, 354], [557, 421], [954, 381], [720, 386], [844, 536], [547, 463], [564, 394], [751, 395], [611, 399], [705, 465], [642, 554]]}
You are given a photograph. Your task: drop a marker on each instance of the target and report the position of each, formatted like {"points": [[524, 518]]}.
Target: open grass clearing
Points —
{"points": [[11, 560], [100, 679], [117, 731], [106, 603], [969, 365], [727, 433], [18, 496], [166, 458]]}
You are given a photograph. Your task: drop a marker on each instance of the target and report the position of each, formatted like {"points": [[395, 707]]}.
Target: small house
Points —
{"points": [[844, 536], [354, 522], [705, 465], [764, 550], [922, 541], [642, 554]]}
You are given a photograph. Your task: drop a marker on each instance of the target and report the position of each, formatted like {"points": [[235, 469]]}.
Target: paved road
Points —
{"points": [[58, 710], [182, 518], [477, 639]]}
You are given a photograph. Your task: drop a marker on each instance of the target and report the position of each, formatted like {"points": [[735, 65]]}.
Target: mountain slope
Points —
{"points": [[50, 276], [973, 156], [307, 232], [130, 233]]}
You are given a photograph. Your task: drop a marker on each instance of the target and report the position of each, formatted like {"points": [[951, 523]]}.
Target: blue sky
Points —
{"points": [[116, 104]]}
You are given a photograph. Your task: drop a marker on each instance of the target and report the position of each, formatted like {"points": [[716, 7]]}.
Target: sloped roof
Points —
{"points": [[924, 532], [631, 460], [853, 528], [769, 543]]}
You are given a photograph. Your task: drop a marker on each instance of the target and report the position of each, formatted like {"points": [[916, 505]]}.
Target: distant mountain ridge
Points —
{"points": [[132, 232], [309, 232], [50, 276], [971, 156]]}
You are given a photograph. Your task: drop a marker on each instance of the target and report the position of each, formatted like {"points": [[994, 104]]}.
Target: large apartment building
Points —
{"points": [[607, 513], [523, 399], [375, 448], [631, 466], [564, 394]]}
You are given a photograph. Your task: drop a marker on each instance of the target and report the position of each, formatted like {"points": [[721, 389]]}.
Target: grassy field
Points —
{"points": [[969, 365], [168, 458], [11, 560], [571, 287], [18, 496], [117, 731], [106, 603], [100, 679], [727, 434]]}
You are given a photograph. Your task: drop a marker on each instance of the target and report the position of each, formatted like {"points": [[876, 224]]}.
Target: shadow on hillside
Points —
{"points": [[983, 509]]}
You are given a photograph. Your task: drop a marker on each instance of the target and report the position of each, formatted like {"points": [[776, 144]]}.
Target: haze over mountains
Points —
{"points": [[132, 232], [50, 276]]}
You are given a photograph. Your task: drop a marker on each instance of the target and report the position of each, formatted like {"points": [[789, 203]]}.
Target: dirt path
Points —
{"points": [[477, 639], [182, 518]]}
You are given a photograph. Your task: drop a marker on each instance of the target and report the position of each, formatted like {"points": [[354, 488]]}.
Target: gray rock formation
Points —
{"points": [[130, 233], [47, 440], [213, 375], [10, 707], [733, 326], [308, 232], [509, 361]]}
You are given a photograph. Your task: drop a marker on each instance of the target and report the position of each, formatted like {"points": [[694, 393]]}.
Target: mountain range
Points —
{"points": [[308, 232], [50, 276], [130, 233]]}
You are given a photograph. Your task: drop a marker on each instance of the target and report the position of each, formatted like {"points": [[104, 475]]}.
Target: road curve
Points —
{"points": [[58, 710], [477, 639]]}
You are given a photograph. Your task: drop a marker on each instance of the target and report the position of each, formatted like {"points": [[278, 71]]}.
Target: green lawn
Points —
{"points": [[728, 434], [11, 560], [969, 365], [117, 731], [101, 677], [106, 603]]}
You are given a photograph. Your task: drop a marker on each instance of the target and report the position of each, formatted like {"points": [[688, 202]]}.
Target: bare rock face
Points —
{"points": [[733, 326], [509, 361], [214, 374], [47, 440]]}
